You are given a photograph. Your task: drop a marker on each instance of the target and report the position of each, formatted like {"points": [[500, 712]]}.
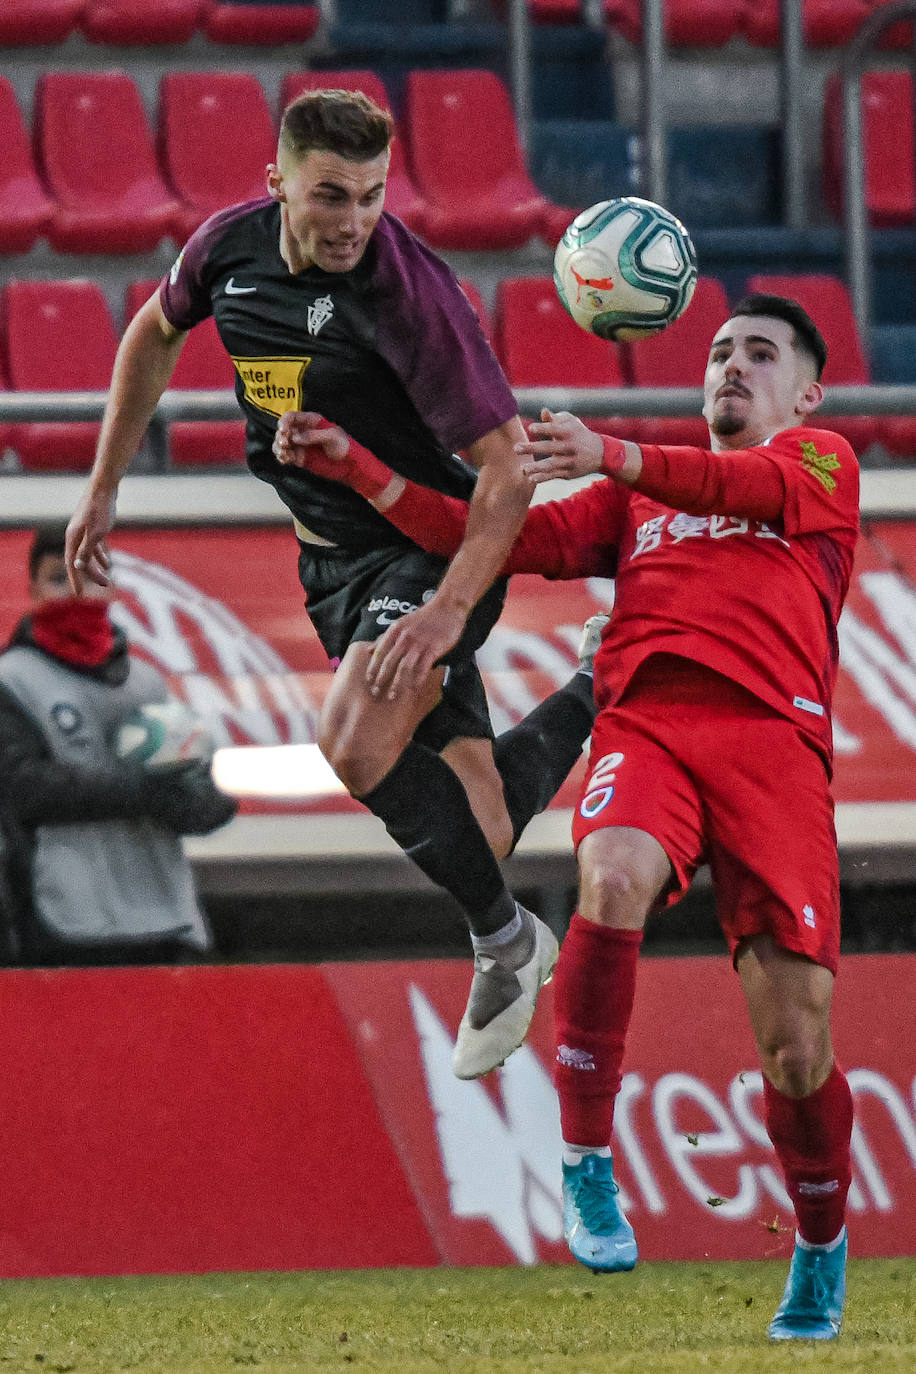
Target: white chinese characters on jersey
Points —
{"points": [[651, 534]]}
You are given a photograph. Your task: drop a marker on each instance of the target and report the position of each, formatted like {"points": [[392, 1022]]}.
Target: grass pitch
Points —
{"points": [[662, 1319]]}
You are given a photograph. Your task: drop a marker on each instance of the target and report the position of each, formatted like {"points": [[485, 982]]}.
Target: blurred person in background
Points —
{"points": [[713, 743], [95, 871], [323, 300]]}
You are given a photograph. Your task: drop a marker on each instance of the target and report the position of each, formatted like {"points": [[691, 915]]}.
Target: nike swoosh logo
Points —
{"points": [[233, 290], [385, 619]]}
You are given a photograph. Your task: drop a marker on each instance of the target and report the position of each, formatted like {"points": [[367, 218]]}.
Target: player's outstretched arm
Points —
{"points": [[404, 657], [559, 539], [559, 445], [143, 367]]}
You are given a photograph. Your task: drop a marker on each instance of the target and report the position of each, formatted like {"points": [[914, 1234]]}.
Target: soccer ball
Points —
{"points": [[625, 269], [162, 733]]}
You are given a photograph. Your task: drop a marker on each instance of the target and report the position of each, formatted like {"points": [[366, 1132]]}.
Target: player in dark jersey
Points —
{"points": [[713, 742], [323, 300]]}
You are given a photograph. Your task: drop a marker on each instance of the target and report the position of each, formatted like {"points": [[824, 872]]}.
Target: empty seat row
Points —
{"points": [[39, 322], [535, 339], [539, 345], [140, 22], [99, 184], [712, 23]]}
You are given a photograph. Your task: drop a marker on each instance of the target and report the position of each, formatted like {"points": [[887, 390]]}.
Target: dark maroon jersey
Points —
{"points": [[392, 351]]}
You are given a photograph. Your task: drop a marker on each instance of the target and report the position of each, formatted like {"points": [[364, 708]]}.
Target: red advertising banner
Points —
{"points": [[697, 1171], [183, 1120], [169, 1120], [220, 611]]}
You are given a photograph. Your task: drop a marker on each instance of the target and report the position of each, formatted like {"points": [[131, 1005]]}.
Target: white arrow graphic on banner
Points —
{"points": [[502, 1168]]}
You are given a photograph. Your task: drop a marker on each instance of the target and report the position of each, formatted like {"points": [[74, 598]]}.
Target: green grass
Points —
{"points": [[662, 1319]]}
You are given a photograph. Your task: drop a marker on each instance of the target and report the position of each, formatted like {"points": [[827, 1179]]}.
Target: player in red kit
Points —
{"points": [[712, 744]]}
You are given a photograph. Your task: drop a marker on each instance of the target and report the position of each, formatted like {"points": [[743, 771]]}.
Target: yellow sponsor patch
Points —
{"points": [[820, 465], [273, 384]]}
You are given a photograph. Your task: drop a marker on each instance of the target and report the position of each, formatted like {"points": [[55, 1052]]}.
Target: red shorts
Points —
{"points": [[718, 777]]}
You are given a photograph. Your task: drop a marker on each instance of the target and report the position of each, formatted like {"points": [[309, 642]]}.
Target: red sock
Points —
{"points": [[594, 985], [811, 1136]]}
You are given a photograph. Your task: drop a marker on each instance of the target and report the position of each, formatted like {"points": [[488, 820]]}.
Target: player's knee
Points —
{"points": [[797, 1065], [614, 893], [360, 760]]}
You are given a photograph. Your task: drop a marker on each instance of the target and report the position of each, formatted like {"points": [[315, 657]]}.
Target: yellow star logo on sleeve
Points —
{"points": [[820, 465]]}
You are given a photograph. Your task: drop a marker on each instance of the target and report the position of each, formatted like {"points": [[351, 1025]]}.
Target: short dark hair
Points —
{"points": [[808, 338], [47, 542], [344, 122]]}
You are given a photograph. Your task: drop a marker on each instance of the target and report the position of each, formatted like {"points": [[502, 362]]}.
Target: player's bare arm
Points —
{"points": [[143, 367], [560, 445], [405, 655]]}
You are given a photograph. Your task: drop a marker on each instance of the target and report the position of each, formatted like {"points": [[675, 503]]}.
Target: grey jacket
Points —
{"points": [[105, 862]]}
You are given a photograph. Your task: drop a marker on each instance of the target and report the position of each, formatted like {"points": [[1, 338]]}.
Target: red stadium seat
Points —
{"points": [[899, 35], [137, 22], [827, 302], [677, 357], [58, 336], [216, 137], [401, 197], [553, 11], [688, 23], [97, 156], [203, 365], [25, 210], [261, 24], [467, 162], [825, 23], [887, 112], [539, 345], [30, 23]]}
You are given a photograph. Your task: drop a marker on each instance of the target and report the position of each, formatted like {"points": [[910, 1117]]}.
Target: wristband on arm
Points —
{"points": [[615, 455], [359, 469]]}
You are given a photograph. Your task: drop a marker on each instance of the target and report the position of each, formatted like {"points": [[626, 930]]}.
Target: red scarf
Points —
{"points": [[74, 628]]}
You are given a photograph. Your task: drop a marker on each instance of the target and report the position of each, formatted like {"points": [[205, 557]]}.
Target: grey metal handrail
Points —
{"points": [[791, 77], [43, 406], [519, 35], [654, 123], [855, 212]]}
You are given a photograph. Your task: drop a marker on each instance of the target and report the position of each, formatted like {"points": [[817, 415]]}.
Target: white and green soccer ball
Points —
{"points": [[625, 269], [162, 733]]}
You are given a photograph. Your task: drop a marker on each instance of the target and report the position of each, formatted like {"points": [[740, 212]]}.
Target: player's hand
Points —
{"points": [[403, 658], [301, 430], [85, 551], [306, 440], [560, 445]]}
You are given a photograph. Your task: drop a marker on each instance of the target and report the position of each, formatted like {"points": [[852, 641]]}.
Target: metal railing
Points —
{"points": [[647, 402]]}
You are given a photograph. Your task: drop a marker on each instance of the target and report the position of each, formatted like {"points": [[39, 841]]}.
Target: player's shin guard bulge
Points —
{"points": [[811, 1137], [593, 1000], [502, 1001]]}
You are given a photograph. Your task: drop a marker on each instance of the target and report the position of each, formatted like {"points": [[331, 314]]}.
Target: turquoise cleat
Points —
{"points": [[812, 1304], [597, 1232]]}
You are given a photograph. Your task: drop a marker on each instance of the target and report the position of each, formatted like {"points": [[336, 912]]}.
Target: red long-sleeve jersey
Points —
{"points": [[737, 560]]}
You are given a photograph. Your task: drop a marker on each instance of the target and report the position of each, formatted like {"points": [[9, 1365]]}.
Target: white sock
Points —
{"points": [[574, 1154], [485, 944], [830, 1245]]}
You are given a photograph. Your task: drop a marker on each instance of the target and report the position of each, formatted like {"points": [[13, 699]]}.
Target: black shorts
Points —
{"points": [[353, 598]]}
